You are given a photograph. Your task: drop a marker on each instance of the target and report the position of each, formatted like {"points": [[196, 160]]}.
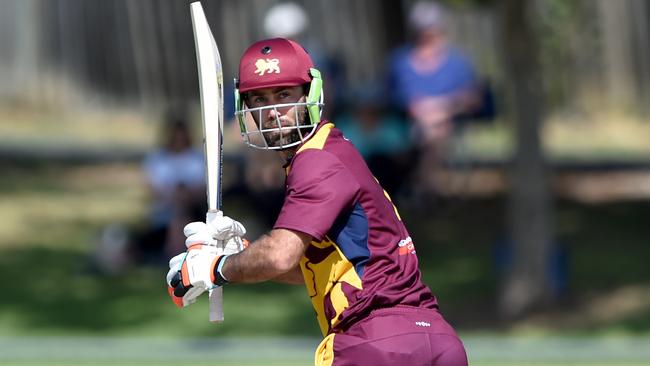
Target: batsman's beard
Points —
{"points": [[278, 135]]}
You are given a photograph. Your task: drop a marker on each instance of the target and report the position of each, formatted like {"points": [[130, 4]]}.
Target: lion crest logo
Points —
{"points": [[267, 66]]}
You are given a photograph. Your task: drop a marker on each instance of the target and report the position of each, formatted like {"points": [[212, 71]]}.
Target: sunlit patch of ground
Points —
{"points": [[119, 128], [609, 136], [52, 201], [594, 137], [624, 184], [594, 310]]}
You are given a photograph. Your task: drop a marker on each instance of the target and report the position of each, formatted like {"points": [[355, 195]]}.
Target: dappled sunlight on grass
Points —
{"points": [[590, 138], [602, 311], [52, 214], [83, 128], [613, 136], [60, 202], [70, 205], [585, 136], [68, 298]]}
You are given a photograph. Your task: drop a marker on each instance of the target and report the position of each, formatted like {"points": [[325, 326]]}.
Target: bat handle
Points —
{"points": [[216, 305], [216, 294]]}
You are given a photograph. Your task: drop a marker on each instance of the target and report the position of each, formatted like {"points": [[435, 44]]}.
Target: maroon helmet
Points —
{"points": [[273, 63]]}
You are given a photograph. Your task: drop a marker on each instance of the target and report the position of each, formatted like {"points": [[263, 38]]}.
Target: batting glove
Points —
{"points": [[222, 232], [223, 227], [192, 273]]}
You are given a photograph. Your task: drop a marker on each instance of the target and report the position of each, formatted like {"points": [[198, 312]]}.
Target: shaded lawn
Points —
{"points": [[51, 290], [606, 247]]}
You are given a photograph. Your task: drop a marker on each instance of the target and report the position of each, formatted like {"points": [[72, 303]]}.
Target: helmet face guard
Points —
{"points": [[307, 114]]}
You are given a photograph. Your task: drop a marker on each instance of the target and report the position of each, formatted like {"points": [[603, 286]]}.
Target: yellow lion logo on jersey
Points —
{"points": [[269, 65]]}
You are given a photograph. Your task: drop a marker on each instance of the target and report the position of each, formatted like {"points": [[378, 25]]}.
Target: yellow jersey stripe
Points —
{"points": [[318, 140], [325, 352]]}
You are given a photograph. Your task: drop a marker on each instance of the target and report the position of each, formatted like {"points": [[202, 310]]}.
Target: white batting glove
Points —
{"points": [[224, 227], [222, 232], [199, 233], [192, 273]]}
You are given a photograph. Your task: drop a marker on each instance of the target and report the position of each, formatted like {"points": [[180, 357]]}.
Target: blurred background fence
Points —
{"points": [[141, 53]]}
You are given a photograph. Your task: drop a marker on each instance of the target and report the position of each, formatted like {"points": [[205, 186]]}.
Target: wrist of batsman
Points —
{"points": [[218, 277]]}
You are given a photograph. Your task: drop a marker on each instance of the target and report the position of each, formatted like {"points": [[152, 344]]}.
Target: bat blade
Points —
{"points": [[211, 88]]}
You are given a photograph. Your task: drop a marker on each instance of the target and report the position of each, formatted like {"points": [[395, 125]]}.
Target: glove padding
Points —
{"points": [[219, 227], [225, 228], [192, 273], [222, 232]]}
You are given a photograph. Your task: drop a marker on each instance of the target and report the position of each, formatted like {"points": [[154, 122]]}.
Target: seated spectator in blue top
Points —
{"points": [[431, 81]]}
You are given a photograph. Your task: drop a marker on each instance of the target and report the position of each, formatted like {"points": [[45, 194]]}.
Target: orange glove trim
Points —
{"points": [[195, 246], [178, 301], [184, 274]]}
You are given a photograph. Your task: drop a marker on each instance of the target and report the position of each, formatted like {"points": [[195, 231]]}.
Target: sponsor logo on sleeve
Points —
{"points": [[406, 246]]}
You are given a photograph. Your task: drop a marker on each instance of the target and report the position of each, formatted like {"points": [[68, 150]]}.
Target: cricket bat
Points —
{"points": [[211, 87]]}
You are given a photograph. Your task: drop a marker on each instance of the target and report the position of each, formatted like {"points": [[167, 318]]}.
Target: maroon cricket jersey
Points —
{"points": [[362, 257]]}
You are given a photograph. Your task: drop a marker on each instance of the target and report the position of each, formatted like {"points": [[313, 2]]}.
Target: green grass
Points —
{"points": [[556, 363], [162, 363], [481, 350], [52, 214], [301, 363]]}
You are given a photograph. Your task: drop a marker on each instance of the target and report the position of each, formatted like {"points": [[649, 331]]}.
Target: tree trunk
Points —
{"points": [[529, 214], [617, 52]]}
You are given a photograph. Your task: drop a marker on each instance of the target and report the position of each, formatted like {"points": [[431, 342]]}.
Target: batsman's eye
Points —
{"points": [[257, 100]]}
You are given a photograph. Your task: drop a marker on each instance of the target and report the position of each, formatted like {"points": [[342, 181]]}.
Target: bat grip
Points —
{"points": [[216, 294], [216, 305]]}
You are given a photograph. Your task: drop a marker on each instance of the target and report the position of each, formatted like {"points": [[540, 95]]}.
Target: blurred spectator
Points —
{"points": [[176, 184], [433, 84], [380, 136], [290, 20], [176, 176]]}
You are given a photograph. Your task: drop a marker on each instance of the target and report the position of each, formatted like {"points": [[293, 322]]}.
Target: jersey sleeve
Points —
{"points": [[319, 189]]}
